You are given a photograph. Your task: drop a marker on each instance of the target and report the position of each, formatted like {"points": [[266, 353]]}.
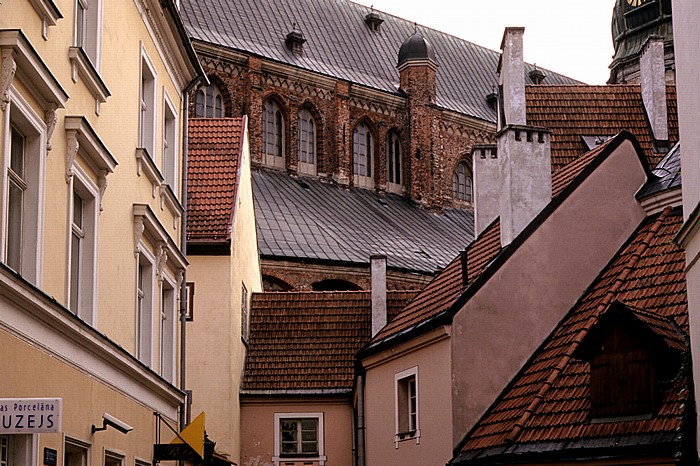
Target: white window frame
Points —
{"points": [[117, 458], [366, 179], [78, 446], [307, 138], [20, 115], [81, 185], [169, 157], [394, 141], [148, 83], [168, 327], [210, 93], [20, 449], [145, 304], [468, 182], [400, 404], [87, 34], [276, 159], [278, 458]]}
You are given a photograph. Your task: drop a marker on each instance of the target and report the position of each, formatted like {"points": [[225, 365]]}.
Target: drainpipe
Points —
{"points": [[361, 420], [184, 414]]}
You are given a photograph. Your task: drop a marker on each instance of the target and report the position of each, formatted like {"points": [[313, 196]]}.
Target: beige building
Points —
{"points": [[92, 118]]}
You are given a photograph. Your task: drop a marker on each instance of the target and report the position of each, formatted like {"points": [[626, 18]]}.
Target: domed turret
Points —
{"points": [[416, 49], [633, 22]]}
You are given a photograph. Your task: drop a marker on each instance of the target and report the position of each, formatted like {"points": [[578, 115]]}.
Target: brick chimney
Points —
{"points": [[524, 153], [653, 83], [487, 186], [378, 283]]}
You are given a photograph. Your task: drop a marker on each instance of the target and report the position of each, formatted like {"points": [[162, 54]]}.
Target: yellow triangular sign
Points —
{"points": [[193, 434]]}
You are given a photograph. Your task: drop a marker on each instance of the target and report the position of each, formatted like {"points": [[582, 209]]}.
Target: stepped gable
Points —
{"points": [[214, 152], [546, 408], [575, 112], [306, 218], [340, 44], [308, 340]]}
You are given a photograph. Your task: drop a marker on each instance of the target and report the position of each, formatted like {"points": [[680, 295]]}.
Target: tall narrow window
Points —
{"points": [[17, 188], [76, 260], [169, 144], [144, 299], [272, 135], [209, 103], [393, 163], [462, 183], [87, 28], [245, 311], [307, 143], [148, 107], [362, 149], [167, 331], [83, 246], [406, 399]]}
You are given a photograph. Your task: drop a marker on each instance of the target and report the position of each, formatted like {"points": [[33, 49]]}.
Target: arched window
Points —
{"points": [[307, 143], [272, 135], [393, 162], [362, 152], [209, 103], [462, 183]]}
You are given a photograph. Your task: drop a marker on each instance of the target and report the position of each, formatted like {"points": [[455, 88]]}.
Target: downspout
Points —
{"points": [[184, 413], [360, 420]]}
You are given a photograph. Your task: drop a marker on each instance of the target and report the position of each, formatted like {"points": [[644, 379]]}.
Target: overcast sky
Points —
{"points": [[571, 37]]}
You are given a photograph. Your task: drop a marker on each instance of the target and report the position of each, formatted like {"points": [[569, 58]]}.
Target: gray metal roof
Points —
{"points": [[305, 218], [341, 45], [667, 174]]}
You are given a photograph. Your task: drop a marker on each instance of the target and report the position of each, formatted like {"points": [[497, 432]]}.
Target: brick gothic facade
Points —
{"points": [[433, 140]]}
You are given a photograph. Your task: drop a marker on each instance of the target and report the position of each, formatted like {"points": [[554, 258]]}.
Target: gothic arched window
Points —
{"points": [[307, 142], [209, 103], [362, 152], [462, 183], [272, 135]]}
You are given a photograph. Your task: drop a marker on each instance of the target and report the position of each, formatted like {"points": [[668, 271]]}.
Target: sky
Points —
{"points": [[571, 37]]}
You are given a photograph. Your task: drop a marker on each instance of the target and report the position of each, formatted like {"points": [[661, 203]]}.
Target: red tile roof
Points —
{"points": [[308, 340], [214, 152], [573, 111], [548, 402], [444, 290]]}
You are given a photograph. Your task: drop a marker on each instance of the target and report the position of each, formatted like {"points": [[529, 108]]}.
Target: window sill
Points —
{"points": [[299, 459], [81, 65], [146, 166], [406, 436]]}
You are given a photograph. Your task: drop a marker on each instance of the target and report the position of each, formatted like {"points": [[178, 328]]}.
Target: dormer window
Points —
{"points": [[374, 21], [295, 40]]}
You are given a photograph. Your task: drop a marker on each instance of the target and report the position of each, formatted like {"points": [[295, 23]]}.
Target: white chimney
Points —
{"points": [[511, 79], [653, 82], [487, 186], [378, 278], [524, 154]]}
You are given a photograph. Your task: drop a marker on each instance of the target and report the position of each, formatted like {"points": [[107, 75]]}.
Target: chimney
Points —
{"points": [[524, 154], [511, 79], [487, 186], [378, 278], [653, 83]]}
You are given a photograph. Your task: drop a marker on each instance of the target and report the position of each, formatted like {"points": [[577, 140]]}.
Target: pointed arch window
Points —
{"points": [[362, 151], [272, 135], [393, 163], [209, 103], [307, 143], [462, 183]]}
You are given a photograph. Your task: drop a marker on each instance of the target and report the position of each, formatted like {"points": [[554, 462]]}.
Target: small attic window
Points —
{"points": [[295, 40], [374, 21]]}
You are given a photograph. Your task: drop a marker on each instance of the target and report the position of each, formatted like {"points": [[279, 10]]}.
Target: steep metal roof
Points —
{"points": [[305, 218], [340, 44]]}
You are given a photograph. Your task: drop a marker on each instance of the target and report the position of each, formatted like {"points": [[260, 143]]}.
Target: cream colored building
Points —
{"points": [[92, 113]]}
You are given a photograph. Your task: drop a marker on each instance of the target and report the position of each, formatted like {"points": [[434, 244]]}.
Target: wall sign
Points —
{"points": [[30, 415], [50, 456]]}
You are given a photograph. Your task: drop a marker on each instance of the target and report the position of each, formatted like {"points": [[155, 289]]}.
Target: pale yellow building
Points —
{"points": [[93, 101]]}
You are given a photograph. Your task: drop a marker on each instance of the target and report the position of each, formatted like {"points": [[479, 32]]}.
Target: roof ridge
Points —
{"points": [[592, 320]]}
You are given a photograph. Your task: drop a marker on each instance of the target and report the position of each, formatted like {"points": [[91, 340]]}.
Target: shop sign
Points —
{"points": [[30, 415]]}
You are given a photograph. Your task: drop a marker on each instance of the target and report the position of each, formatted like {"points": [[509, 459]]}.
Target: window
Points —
{"points": [[406, 405], [168, 322], [307, 143], [87, 29], [23, 185], [17, 450], [299, 436], [362, 150], [245, 310], [83, 249], [75, 453], [393, 163], [144, 307], [113, 459], [4, 450], [147, 117], [272, 135], [462, 183], [169, 160], [209, 103]]}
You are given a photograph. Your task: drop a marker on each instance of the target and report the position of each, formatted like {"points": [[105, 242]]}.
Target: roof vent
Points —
{"points": [[373, 20], [492, 99], [295, 40], [536, 75]]}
